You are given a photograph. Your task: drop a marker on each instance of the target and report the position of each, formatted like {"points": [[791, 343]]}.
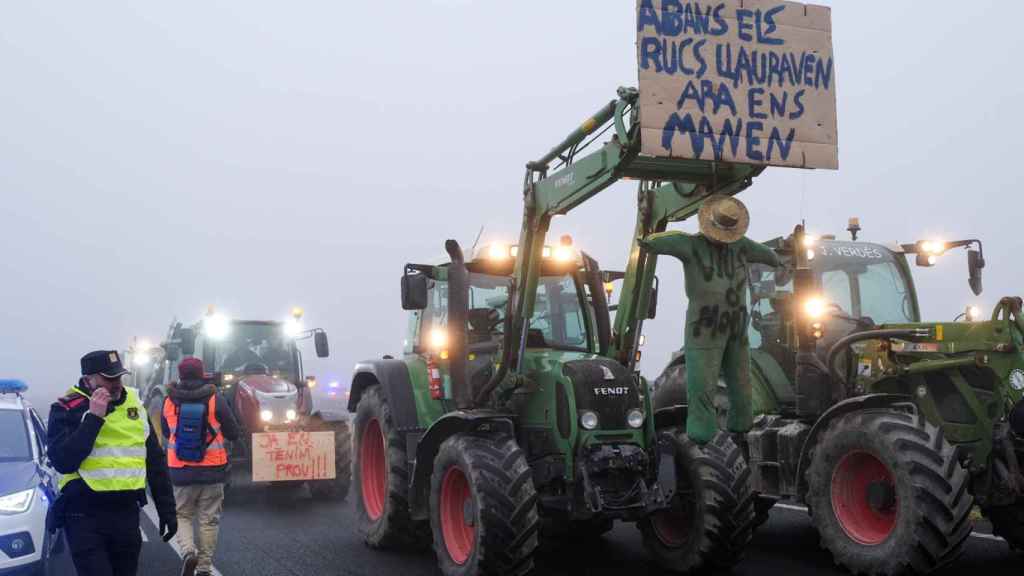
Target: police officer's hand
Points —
{"points": [[98, 402], [168, 528]]}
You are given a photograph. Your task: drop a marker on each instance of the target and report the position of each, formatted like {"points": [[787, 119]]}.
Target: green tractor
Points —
{"points": [[516, 413], [887, 428]]}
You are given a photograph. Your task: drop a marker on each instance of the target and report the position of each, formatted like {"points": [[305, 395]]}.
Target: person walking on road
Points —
{"points": [[100, 441], [196, 422]]}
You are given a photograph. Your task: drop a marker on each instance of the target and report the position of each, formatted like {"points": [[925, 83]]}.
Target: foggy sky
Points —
{"points": [[155, 159]]}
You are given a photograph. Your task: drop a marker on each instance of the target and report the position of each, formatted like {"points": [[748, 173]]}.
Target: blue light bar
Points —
{"points": [[12, 386]]}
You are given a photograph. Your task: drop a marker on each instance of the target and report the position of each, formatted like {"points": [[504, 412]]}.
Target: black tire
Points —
{"points": [[336, 489], [1007, 521], [712, 517], [483, 487], [888, 495], [1008, 524], [391, 526]]}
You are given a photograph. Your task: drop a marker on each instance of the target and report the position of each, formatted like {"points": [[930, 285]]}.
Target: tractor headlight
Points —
{"points": [[1017, 379], [635, 418], [588, 420], [292, 327], [815, 307], [216, 327], [18, 502], [266, 415], [290, 415]]}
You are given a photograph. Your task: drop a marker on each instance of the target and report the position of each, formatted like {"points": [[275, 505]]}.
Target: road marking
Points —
{"points": [[981, 535], [151, 512]]}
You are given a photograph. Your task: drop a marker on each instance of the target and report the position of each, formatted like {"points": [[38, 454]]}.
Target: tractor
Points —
{"points": [[887, 428], [516, 413], [257, 367]]}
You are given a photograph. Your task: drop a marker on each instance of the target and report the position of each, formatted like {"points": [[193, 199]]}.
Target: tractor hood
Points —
{"points": [[267, 384]]}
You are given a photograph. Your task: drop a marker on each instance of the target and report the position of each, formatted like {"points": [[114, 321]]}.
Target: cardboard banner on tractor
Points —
{"points": [[278, 456], [750, 81]]}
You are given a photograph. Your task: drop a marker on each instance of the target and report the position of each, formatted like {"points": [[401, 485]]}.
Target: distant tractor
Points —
{"points": [[888, 428], [258, 368], [516, 414]]}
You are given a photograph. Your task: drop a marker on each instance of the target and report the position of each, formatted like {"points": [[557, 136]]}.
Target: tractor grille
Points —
{"points": [[604, 387]]}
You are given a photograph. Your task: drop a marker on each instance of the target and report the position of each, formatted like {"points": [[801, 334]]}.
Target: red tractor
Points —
{"points": [[258, 366]]}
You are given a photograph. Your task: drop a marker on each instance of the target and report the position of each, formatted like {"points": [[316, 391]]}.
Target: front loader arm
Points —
{"points": [[577, 180]]}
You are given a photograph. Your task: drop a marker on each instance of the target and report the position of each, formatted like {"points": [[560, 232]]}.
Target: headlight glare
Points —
{"points": [[266, 415]]}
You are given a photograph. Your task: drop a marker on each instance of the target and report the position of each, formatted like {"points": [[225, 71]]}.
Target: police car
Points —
{"points": [[28, 485]]}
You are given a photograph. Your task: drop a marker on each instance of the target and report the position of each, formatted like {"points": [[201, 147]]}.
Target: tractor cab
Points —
{"points": [[856, 286], [563, 322]]}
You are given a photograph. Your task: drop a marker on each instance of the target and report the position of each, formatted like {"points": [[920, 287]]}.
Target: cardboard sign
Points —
{"points": [[750, 81], [280, 456]]}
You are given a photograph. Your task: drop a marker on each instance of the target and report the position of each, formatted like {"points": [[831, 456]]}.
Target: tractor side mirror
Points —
{"points": [[323, 349], [652, 302], [975, 264], [414, 291], [187, 336]]}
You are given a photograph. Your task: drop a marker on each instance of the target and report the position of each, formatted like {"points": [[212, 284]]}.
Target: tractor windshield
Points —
{"points": [[865, 281], [253, 345], [557, 321], [858, 280]]}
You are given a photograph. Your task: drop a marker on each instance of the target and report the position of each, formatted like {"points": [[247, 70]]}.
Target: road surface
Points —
{"points": [[268, 534]]}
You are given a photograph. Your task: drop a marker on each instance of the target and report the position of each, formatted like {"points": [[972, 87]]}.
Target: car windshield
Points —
{"points": [[557, 320], [14, 441], [256, 345]]}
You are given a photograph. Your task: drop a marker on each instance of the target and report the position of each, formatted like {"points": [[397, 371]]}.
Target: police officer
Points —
{"points": [[100, 441], [715, 263]]}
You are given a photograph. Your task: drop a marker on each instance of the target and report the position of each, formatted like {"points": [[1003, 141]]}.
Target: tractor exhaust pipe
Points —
{"points": [[458, 310]]}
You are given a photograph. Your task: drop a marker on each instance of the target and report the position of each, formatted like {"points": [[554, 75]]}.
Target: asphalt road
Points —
{"points": [[275, 534]]}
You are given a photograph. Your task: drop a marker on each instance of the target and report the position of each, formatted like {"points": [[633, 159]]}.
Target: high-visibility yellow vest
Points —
{"points": [[118, 458]]}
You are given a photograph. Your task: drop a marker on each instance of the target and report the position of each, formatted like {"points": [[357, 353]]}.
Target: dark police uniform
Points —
{"points": [[106, 463]]}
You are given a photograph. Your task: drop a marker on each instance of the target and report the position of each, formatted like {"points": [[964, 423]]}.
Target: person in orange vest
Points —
{"points": [[196, 423]]}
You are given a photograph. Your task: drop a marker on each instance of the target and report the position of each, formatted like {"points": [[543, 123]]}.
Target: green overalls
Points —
{"points": [[716, 325]]}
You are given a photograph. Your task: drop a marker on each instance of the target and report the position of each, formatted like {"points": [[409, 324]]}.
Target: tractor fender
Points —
{"points": [[452, 423], [850, 405], [393, 378], [670, 416]]}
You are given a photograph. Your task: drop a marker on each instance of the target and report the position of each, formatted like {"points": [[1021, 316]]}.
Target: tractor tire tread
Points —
{"points": [[338, 488], [502, 482], [396, 529], [727, 505], [939, 522]]}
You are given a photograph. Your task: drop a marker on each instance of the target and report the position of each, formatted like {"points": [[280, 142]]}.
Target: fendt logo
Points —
{"points": [[611, 391]]}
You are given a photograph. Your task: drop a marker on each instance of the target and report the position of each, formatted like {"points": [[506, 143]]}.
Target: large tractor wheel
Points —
{"points": [[1008, 523], [712, 514], [888, 495], [380, 473], [483, 507], [337, 488]]}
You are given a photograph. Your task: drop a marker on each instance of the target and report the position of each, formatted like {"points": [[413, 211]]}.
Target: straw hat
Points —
{"points": [[723, 219]]}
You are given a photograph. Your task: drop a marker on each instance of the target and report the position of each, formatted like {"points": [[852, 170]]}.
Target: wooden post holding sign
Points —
{"points": [[278, 456], [749, 81]]}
